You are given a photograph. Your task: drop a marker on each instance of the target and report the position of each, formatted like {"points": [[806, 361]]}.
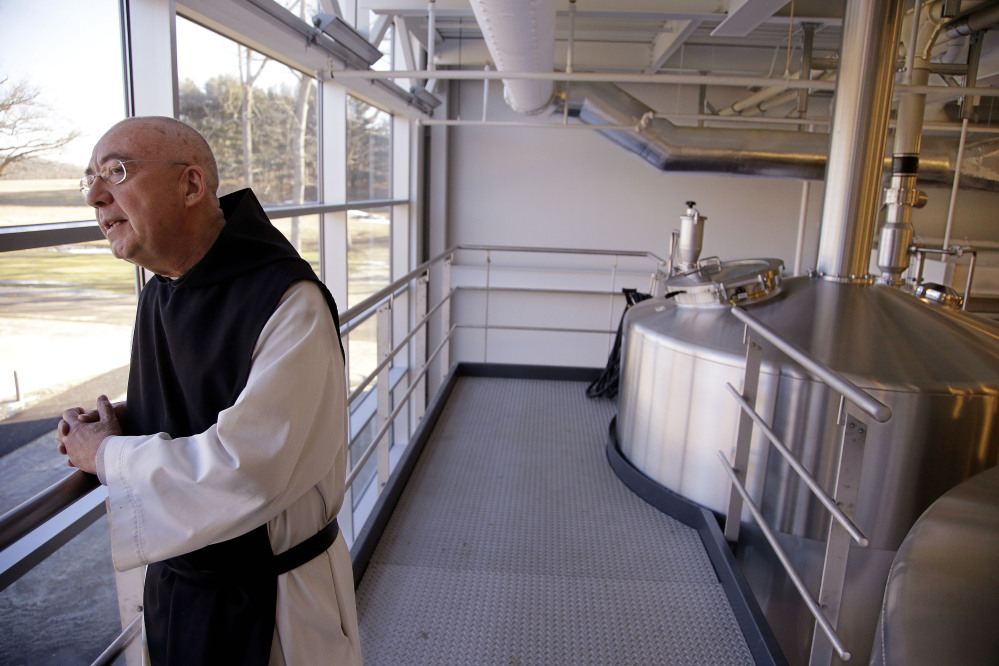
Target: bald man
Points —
{"points": [[225, 465]]}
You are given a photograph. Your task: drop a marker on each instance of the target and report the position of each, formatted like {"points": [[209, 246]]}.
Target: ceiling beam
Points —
{"points": [[744, 16], [666, 43]]}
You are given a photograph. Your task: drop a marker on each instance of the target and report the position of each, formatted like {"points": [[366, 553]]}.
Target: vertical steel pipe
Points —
{"points": [[856, 143]]}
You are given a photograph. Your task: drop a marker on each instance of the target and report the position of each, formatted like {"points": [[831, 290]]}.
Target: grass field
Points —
{"points": [[41, 201], [61, 303]]}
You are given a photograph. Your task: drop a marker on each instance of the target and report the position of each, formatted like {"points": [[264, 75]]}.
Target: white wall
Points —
{"points": [[577, 189]]}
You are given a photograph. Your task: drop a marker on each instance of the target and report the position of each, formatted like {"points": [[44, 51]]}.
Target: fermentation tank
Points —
{"points": [[937, 369]]}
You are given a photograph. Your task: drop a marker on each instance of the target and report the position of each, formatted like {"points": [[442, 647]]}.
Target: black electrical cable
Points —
{"points": [[606, 384]]}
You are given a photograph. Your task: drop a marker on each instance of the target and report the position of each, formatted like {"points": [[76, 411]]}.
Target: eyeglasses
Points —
{"points": [[114, 173]]}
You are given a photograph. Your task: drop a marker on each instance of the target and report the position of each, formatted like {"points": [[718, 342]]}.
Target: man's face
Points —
{"points": [[142, 216]]}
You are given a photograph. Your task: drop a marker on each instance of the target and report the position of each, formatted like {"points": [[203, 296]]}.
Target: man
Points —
{"points": [[225, 466]]}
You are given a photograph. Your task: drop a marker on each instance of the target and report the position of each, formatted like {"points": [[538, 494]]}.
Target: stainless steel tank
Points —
{"points": [[937, 368]]}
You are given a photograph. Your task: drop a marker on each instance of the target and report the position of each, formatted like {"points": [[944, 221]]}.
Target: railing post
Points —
{"points": [[446, 314], [743, 439], [420, 351], [384, 335], [851, 458], [485, 324]]}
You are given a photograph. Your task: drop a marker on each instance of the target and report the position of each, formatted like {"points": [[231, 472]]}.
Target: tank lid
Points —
{"points": [[715, 282]]}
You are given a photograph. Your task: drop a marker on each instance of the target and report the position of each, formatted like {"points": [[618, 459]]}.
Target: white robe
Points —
{"points": [[279, 456]]}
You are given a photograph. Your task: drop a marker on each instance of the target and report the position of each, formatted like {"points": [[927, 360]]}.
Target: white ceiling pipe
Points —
{"points": [[520, 36]]}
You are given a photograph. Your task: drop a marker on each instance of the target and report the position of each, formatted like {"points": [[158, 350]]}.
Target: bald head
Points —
{"points": [[175, 141], [163, 212]]}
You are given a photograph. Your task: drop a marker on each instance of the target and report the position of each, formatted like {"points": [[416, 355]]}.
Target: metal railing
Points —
{"points": [[842, 528], [58, 513]]}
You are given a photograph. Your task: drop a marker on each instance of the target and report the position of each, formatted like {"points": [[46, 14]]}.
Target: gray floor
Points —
{"points": [[515, 543]]}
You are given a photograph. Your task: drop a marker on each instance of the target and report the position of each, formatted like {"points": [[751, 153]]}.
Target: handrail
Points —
{"points": [[22, 519], [359, 465], [771, 538], [373, 300], [837, 545], [876, 409], [398, 347], [796, 465], [118, 646], [44, 506]]}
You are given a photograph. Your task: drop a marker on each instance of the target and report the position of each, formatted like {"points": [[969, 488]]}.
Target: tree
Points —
{"points": [[247, 78], [24, 130]]}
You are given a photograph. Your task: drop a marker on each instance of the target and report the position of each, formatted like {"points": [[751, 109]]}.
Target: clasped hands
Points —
{"points": [[80, 433]]}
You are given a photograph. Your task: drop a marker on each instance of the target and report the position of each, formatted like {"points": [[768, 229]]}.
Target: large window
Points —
{"points": [[258, 115], [59, 304], [369, 159], [65, 312]]}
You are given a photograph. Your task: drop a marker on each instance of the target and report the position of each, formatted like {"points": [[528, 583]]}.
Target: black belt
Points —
{"points": [[217, 605], [306, 551]]}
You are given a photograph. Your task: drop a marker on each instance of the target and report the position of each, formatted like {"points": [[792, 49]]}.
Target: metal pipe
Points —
{"points": [[431, 36], [957, 182], [913, 34], [856, 145], [485, 98], [813, 485], [625, 77], [117, 648], [873, 407], [799, 248]]}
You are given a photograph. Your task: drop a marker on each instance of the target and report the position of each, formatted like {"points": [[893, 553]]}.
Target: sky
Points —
{"points": [[70, 51]]}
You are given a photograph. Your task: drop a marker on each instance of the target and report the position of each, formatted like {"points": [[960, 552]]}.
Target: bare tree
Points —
{"points": [[24, 131], [248, 77]]}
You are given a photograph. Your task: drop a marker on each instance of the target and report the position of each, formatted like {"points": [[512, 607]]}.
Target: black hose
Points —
{"points": [[606, 384]]}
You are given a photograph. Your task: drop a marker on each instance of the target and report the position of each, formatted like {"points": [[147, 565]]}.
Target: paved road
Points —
{"points": [[42, 417]]}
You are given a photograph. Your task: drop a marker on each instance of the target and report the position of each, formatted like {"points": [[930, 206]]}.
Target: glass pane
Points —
{"points": [[50, 120], [369, 151], [361, 345], [66, 314], [368, 267], [387, 61], [258, 115], [303, 9], [303, 232], [367, 473]]}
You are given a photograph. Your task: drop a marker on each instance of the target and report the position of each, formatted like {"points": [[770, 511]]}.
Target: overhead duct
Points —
{"points": [[749, 152], [520, 36]]}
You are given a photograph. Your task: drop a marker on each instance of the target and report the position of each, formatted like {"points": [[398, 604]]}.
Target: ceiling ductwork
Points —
{"points": [[749, 152], [520, 37]]}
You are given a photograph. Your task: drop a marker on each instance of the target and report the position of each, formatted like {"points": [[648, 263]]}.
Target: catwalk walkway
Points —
{"points": [[515, 543]]}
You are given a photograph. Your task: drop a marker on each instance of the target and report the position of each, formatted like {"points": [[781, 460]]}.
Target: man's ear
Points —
{"points": [[194, 186]]}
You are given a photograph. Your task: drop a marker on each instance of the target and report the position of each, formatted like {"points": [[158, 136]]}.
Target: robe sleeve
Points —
{"points": [[284, 434]]}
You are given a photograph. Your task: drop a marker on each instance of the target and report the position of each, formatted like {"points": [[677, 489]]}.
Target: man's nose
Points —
{"points": [[99, 193]]}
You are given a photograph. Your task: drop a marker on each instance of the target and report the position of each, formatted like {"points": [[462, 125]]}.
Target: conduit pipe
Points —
{"points": [[902, 196], [859, 128], [520, 36]]}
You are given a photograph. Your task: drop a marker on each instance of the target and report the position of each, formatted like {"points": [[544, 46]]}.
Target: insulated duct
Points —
{"points": [[520, 36], [751, 152]]}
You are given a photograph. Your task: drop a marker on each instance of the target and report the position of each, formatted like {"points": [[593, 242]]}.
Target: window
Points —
{"points": [[258, 115], [65, 312], [369, 230], [59, 303]]}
